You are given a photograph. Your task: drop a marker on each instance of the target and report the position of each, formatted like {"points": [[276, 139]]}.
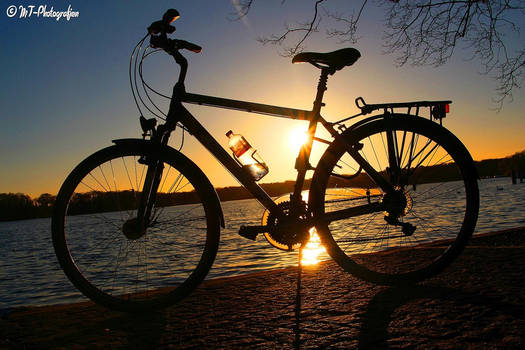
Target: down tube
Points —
{"points": [[204, 137]]}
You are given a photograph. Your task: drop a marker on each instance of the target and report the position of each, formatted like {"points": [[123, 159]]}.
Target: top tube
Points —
{"points": [[252, 107]]}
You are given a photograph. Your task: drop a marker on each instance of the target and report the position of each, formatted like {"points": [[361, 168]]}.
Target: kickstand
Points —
{"points": [[297, 328]]}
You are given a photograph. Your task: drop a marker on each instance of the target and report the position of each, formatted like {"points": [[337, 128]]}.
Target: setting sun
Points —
{"points": [[312, 249], [298, 137]]}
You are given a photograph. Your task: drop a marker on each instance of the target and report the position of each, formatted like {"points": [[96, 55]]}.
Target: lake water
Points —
{"points": [[30, 274]]}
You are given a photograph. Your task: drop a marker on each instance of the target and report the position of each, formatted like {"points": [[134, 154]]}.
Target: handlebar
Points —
{"points": [[159, 30], [183, 44], [171, 45], [158, 39]]}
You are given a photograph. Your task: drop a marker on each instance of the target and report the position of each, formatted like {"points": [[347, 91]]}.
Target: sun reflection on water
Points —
{"points": [[312, 250]]}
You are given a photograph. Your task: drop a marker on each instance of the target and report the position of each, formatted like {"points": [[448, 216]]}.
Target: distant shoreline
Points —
{"points": [[42, 207]]}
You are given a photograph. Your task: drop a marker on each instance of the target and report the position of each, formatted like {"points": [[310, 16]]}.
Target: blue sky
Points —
{"points": [[65, 90]]}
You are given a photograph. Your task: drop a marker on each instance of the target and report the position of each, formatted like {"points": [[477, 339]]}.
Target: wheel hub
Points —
{"points": [[397, 203], [132, 230]]}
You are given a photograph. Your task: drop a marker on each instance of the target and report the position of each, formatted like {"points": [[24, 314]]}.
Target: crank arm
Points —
{"points": [[251, 232]]}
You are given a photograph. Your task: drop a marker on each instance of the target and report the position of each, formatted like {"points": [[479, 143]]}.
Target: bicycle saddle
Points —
{"points": [[334, 60]]}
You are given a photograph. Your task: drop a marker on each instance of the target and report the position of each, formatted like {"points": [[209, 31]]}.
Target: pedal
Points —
{"points": [[251, 232]]}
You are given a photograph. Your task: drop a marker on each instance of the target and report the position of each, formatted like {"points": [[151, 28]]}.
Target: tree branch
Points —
{"points": [[306, 28], [426, 32]]}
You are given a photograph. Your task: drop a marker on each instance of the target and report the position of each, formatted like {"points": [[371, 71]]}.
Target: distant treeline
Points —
{"points": [[502, 166], [18, 206]]}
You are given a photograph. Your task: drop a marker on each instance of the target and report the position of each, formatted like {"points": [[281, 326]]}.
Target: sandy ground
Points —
{"points": [[477, 303]]}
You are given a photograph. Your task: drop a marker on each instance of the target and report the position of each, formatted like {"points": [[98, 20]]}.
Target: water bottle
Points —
{"points": [[247, 156]]}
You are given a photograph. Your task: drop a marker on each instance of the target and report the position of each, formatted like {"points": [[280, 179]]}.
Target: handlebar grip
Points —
{"points": [[183, 44]]}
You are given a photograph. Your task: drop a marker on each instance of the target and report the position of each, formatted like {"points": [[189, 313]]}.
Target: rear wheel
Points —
{"points": [[100, 247], [416, 230]]}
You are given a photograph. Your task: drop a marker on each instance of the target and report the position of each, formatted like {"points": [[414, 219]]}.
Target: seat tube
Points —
{"points": [[302, 163]]}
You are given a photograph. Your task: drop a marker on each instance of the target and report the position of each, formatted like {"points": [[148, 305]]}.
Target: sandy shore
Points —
{"points": [[477, 303]]}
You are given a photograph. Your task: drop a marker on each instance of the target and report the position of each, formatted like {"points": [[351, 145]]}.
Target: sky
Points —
{"points": [[65, 89]]}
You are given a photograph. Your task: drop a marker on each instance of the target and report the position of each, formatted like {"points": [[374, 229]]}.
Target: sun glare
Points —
{"points": [[312, 249], [298, 136]]}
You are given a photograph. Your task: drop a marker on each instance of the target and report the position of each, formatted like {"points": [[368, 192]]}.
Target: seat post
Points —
{"points": [[321, 88], [302, 164]]}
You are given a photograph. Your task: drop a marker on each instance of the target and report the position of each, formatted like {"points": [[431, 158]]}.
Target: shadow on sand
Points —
{"points": [[379, 314]]}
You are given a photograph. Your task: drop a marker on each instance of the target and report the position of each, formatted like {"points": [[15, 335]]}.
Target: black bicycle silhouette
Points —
{"points": [[394, 198]]}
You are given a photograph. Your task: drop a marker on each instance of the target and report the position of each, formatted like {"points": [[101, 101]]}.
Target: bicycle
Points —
{"points": [[394, 198]]}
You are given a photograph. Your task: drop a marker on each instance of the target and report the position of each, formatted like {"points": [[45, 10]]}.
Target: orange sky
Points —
{"points": [[77, 98]]}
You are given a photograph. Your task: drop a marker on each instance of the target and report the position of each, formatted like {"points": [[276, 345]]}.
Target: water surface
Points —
{"points": [[30, 274]]}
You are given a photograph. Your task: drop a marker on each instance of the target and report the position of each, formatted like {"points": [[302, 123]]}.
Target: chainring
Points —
{"points": [[287, 233]]}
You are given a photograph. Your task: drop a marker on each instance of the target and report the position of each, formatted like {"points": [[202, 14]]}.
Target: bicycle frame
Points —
{"points": [[179, 114]]}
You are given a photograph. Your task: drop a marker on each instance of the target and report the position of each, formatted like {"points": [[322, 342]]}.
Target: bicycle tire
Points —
{"points": [[443, 213], [98, 255]]}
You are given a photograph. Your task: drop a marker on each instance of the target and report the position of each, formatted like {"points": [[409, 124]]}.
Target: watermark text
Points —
{"points": [[41, 11]]}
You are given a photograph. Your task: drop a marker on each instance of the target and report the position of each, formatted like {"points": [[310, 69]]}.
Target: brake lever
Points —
{"points": [[159, 41], [160, 27]]}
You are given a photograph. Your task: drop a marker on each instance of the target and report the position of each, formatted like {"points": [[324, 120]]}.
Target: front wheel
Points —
{"points": [[102, 250], [412, 232]]}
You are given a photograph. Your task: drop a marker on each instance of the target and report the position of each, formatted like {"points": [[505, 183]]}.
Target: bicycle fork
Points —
{"points": [[136, 227], [149, 191]]}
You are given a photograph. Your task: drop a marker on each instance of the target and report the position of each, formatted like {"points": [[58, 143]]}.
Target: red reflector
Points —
{"points": [[447, 108]]}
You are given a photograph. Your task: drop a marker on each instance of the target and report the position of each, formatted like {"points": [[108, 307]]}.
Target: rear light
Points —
{"points": [[447, 108], [440, 111]]}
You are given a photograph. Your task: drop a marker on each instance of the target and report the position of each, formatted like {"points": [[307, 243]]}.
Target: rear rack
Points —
{"points": [[438, 109]]}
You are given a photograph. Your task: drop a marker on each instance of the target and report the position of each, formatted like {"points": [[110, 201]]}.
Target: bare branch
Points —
{"points": [[306, 29], [348, 34], [242, 7], [426, 32]]}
